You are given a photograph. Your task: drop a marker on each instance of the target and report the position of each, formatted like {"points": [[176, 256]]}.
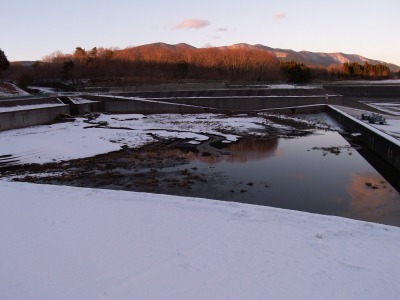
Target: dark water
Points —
{"points": [[320, 173]]}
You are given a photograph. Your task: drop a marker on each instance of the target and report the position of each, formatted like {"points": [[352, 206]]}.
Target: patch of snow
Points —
{"points": [[80, 100], [391, 108], [374, 127], [28, 107], [74, 243], [47, 90], [79, 139], [392, 126], [9, 90]]}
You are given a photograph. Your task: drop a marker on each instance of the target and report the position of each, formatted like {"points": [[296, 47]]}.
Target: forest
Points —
{"points": [[160, 62]]}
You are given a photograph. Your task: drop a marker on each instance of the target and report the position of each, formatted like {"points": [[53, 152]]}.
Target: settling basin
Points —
{"points": [[319, 173]]}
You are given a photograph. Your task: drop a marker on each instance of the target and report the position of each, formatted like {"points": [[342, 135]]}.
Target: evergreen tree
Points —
{"points": [[295, 72], [4, 63]]}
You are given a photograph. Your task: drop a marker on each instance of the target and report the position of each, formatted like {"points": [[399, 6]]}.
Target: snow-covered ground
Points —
{"points": [[387, 107], [28, 107], [74, 243], [280, 86], [79, 139], [9, 89], [392, 126]]}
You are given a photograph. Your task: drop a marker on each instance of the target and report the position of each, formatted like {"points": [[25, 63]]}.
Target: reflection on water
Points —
{"points": [[242, 152], [371, 198], [319, 173], [253, 149]]}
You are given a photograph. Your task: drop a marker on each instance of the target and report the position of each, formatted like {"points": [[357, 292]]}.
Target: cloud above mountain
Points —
{"points": [[279, 15], [192, 24]]}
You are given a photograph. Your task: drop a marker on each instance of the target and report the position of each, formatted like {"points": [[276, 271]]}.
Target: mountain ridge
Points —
{"points": [[309, 58]]}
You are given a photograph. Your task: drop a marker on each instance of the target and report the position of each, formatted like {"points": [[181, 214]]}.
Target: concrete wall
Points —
{"points": [[84, 108], [169, 87], [299, 109], [382, 144], [365, 91], [220, 93], [28, 101], [25, 118], [148, 107], [201, 105], [256, 103]]}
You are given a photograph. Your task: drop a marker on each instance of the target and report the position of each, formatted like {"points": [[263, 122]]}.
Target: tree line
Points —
{"points": [[152, 64], [161, 62], [358, 71]]}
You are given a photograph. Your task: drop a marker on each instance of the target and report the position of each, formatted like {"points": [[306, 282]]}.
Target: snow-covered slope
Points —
{"points": [[73, 243], [9, 89]]}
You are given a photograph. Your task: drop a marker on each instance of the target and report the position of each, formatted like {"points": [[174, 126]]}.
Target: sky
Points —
{"points": [[30, 30]]}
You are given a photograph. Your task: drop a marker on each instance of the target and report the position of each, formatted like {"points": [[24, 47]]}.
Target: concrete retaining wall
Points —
{"points": [[299, 109], [201, 105], [28, 101], [84, 108], [169, 87], [387, 147], [256, 103], [365, 91], [25, 118], [152, 107]]}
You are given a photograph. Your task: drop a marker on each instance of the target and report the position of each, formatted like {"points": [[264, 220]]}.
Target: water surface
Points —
{"points": [[318, 173]]}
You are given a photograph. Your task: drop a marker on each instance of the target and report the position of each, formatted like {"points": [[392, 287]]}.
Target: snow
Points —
{"points": [[374, 128], [391, 108], [47, 90], [80, 138], [392, 127], [75, 243], [80, 100], [278, 86], [390, 130], [62, 242], [28, 107], [8, 89]]}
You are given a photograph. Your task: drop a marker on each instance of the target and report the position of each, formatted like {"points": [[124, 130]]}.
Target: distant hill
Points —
{"points": [[317, 59], [311, 59]]}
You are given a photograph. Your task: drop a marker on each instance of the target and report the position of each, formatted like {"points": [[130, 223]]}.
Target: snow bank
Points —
{"points": [[73, 243]]}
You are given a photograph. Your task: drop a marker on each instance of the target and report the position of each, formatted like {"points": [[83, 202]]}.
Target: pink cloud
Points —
{"points": [[192, 24], [279, 16]]}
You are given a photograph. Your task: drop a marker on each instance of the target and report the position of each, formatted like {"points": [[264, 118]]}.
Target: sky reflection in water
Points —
{"points": [[319, 173]]}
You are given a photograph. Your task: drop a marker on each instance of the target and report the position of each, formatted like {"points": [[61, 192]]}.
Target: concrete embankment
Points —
{"points": [[386, 146], [365, 90], [222, 100], [30, 117]]}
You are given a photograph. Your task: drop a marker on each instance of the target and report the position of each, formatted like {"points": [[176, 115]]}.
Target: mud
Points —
{"points": [[159, 167]]}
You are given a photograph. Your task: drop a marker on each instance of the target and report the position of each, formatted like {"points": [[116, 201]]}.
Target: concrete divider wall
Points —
{"points": [[169, 87], [367, 91], [25, 118], [251, 103], [29, 101], [382, 144], [201, 105], [148, 107]]}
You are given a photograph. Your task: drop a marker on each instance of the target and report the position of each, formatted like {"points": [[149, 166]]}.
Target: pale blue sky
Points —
{"points": [[31, 29]]}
